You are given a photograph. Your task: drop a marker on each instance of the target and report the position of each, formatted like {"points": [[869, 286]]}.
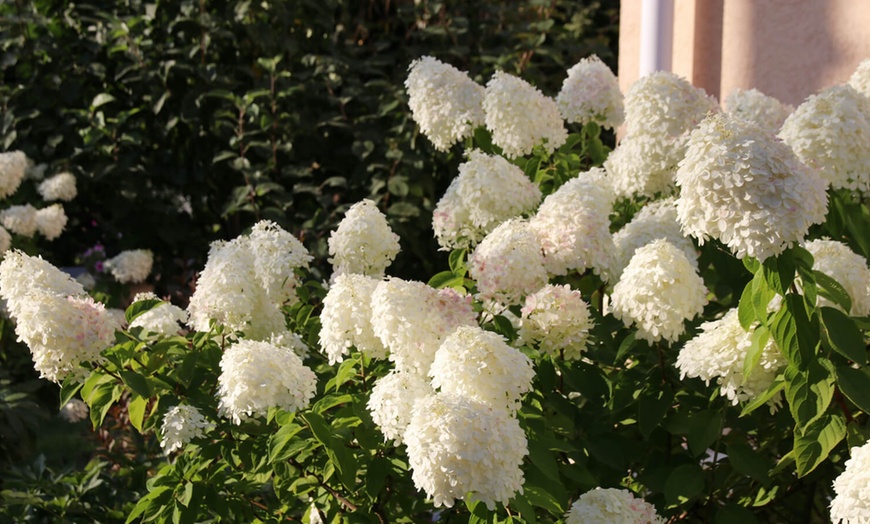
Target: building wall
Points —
{"points": [[788, 49]]}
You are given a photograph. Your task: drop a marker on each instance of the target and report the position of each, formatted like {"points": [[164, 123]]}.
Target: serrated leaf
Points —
{"points": [[154, 499], [779, 272], [855, 384], [809, 392], [542, 498], [136, 410], [136, 382], [841, 334], [814, 444], [704, 429], [457, 262], [139, 307], [833, 290], [445, 279]]}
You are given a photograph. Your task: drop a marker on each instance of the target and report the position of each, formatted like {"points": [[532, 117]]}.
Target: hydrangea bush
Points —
{"points": [[599, 349]]}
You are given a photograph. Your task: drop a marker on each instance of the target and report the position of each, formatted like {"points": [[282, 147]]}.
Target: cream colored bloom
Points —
{"points": [[830, 132], [256, 376], [131, 266], [719, 352], [346, 319], [51, 221], [557, 319], [850, 269], [508, 264], [591, 93], [612, 506], [658, 291], [444, 101], [573, 226], [488, 191], [520, 117], [741, 185], [757, 108], [458, 446], [181, 424], [13, 166], [363, 243], [479, 364], [20, 220], [392, 402], [851, 505], [59, 187]]}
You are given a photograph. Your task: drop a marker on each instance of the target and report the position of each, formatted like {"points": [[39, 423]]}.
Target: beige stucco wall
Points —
{"points": [[785, 48]]}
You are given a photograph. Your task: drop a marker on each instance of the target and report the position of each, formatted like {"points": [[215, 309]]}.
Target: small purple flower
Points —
{"points": [[99, 266]]}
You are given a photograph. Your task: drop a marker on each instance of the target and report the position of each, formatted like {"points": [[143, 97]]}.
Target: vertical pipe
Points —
{"points": [[656, 36]]}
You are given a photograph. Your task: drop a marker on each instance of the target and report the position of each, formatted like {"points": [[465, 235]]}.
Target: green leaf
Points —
{"points": [[136, 382], [704, 428], [457, 262], [541, 498], [542, 459], [684, 483], [139, 307], [342, 459], [279, 442], [625, 346], [101, 100], [841, 333], [521, 504], [794, 333], [136, 410], [751, 264], [652, 408], [779, 272], [446, 279], [833, 291], [759, 340], [186, 494], [748, 461], [346, 371], [150, 504], [504, 327], [814, 444], [855, 384], [68, 389], [809, 392], [762, 399]]}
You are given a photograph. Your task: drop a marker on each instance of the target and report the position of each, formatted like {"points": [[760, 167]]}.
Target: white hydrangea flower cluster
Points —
{"points": [[741, 185], [488, 191], [830, 132], [656, 220], [508, 264], [232, 291], [257, 375], [558, 320], [392, 402], [658, 291], [363, 243], [181, 424], [719, 352], [479, 364], [644, 165], [412, 320], [573, 226], [611, 505], [20, 220], [520, 117], [860, 79], [661, 109], [755, 107], [591, 93], [51, 221], [346, 319], [665, 104], [59, 187], [444, 101], [13, 166], [60, 324], [839, 262], [277, 254], [163, 320], [457, 445], [851, 505], [132, 266]]}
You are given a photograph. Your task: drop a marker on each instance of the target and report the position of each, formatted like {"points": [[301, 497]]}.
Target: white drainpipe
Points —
{"points": [[656, 36]]}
